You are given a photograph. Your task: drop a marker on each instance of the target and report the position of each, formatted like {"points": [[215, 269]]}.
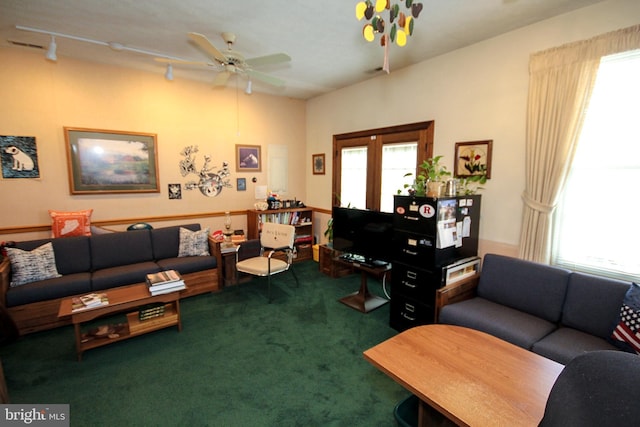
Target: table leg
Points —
{"points": [[363, 300], [78, 334]]}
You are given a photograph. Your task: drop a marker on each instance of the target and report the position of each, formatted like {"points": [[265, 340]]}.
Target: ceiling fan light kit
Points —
{"points": [[226, 64]]}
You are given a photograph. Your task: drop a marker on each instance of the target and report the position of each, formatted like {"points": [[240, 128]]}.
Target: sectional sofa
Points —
{"points": [[86, 264], [551, 311]]}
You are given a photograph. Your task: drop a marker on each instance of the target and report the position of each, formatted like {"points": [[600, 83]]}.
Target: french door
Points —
{"points": [[369, 166]]}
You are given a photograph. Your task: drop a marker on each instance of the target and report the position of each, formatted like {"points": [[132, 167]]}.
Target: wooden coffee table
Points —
{"points": [[124, 299], [472, 378]]}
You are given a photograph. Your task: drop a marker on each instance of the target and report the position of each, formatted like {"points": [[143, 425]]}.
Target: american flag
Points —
{"points": [[627, 329]]}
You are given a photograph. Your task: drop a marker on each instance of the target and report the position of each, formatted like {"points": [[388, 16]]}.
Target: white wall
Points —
{"points": [[39, 98], [475, 93]]}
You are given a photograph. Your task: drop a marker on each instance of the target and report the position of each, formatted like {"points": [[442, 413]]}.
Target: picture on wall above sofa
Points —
{"points": [[105, 161], [19, 157]]}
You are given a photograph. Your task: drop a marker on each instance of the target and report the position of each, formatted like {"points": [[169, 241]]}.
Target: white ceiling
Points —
{"points": [[322, 37]]}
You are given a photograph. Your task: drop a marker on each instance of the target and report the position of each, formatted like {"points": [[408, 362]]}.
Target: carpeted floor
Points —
{"points": [[237, 362]]}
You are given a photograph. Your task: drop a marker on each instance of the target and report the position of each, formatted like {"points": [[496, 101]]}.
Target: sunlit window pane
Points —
{"points": [[397, 161], [354, 177], [596, 220]]}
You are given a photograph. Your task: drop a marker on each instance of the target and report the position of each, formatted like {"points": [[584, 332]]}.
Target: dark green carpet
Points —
{"points": [[237, 362]]}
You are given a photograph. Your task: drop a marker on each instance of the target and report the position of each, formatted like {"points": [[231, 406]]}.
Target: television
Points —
{"points": [[363, 236]]}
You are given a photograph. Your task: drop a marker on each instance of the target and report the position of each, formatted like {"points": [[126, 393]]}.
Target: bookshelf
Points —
{"points": [[301, 218]]}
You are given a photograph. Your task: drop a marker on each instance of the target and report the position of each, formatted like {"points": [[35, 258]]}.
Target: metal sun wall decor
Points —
{"points": [[211, 182], [399, 30]]}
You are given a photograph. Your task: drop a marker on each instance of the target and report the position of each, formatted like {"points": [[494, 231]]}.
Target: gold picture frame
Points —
{"points": [[473, 158], [108, 161], [248, 158]]}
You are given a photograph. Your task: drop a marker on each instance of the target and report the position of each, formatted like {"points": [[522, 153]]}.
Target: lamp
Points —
{"points": [[169, 74], [248, 89], [51, 52]]}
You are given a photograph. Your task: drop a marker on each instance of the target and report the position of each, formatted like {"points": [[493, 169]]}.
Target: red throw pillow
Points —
{"points": [[65, 224]]}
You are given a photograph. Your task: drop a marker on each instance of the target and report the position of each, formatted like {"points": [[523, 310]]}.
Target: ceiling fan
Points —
{"points": [[231, 61]]}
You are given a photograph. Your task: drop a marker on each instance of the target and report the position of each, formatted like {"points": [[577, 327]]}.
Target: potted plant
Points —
{"points": [[429, 181], [328, 233], [469, 185]]}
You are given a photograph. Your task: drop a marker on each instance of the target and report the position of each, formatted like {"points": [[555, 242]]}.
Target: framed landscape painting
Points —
{"points": [[105, 161]]}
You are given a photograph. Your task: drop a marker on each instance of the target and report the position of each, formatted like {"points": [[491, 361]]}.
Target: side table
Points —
{"points": [[227, 273], [328, 266], [363, 300]]}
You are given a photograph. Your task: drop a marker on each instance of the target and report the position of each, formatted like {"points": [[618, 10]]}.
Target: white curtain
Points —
{"points": [[560, 85]]}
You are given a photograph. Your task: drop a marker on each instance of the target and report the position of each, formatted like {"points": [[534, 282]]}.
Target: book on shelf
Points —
{"points": [[175, 286], [150, 311], [89, 301], [161, 277], [303, 238]]}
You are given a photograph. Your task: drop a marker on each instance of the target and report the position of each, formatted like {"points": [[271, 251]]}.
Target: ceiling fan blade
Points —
{"points": [[276, 58], [265, 78], [182, 61], [203, 43], [221, 78]]}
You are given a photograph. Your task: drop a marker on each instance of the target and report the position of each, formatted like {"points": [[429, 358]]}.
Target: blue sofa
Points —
{"points": [[551, 311], [99, 262]]}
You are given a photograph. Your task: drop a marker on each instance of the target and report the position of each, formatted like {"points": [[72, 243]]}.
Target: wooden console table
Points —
{"points": [[363, 300], [124, 299], [472, 378]]}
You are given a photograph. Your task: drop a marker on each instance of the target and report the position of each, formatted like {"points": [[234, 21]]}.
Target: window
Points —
{"points": [[596, 222], [369, 166]]}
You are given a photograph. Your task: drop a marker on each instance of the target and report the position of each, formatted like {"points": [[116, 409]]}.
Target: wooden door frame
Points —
{"points": [[374, 139]]}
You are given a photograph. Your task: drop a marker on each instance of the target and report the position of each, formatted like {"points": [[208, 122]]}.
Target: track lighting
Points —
{"points": [[248, 89], [51, 52], [169, 74]]}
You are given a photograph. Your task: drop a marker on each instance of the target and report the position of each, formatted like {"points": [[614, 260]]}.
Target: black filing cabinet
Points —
{"points": [[429, 235]]}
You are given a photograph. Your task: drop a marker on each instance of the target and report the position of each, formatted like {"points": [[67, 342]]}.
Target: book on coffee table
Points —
{"points": [[168, 287], [162, 277], [89, 301]]}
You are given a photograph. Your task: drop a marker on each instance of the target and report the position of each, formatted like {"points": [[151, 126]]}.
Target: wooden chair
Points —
{"points": [[274, 238]]}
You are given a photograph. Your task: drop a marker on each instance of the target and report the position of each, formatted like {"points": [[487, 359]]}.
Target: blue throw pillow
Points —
{"points": [[626, 334]]}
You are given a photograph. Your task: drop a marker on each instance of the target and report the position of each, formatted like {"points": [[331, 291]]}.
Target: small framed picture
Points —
{"points": [[19, 157], [241, 184], [317, 162], [248, 158], [472, 158], [175, 191]]}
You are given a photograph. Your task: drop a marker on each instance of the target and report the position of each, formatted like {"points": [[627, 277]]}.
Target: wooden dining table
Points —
{"points": [[470, 377]]}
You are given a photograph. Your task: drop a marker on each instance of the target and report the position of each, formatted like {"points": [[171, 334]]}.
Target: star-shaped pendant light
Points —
{"points": [[401, 17]]}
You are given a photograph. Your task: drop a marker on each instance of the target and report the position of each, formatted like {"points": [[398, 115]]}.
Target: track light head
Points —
{"points": [[51, 52], [169, 73]]}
